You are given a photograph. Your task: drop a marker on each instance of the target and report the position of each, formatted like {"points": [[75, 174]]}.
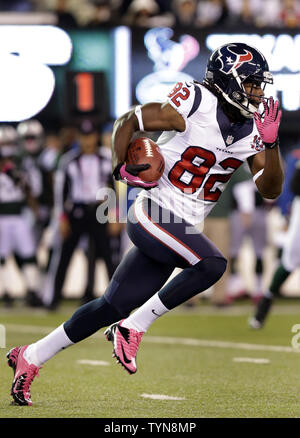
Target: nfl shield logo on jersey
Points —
{"points": [[229, 139], [257, 143]]}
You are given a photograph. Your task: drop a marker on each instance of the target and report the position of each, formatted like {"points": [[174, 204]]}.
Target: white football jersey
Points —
{"points": [[200, 161]]}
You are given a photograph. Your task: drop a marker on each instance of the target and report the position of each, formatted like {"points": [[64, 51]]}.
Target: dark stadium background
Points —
{"points": [[94, 52]]}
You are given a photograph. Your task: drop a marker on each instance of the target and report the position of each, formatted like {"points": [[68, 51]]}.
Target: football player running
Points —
{"points": [[16, 233], [290, 259], [209, 130]]}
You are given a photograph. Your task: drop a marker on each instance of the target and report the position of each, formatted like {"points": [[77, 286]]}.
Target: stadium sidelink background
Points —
{"points": [[59, 76]]}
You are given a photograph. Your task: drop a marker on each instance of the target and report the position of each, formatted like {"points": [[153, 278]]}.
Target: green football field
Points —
{"points": [[202, 362]]}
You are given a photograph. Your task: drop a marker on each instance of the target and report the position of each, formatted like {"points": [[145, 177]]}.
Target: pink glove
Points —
{"points": [[268, 128], [129, 174]]}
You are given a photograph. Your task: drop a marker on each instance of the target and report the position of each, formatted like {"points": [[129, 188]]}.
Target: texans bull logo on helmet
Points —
{"points": [[229, 67], [231, 60]]}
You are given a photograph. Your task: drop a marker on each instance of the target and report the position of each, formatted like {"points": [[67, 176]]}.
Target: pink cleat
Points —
{"points": [[24, 373], [12, 357], [126, 343]]}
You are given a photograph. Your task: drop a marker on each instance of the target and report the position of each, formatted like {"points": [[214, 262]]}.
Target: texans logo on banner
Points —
{"points": [[169, 58]]}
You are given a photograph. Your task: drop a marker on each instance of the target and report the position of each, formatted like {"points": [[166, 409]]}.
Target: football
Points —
{"points": [[145, 151]]}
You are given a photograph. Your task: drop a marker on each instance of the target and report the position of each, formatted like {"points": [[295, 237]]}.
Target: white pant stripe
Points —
{"points": [[48, 288], [159, 233]]}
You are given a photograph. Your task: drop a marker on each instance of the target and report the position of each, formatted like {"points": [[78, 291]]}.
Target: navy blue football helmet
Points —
{"points": [[230, 66]]}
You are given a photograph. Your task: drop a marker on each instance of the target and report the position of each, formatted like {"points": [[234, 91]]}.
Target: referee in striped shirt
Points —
{"points": [[79, 176]]}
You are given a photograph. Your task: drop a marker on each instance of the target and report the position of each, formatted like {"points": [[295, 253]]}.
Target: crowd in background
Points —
{"points": [[49, 181], [152, 13], [48, 185]]}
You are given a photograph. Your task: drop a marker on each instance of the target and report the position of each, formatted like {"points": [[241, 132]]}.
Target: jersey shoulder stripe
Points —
{"points": [[197, 100], [189, 98]]}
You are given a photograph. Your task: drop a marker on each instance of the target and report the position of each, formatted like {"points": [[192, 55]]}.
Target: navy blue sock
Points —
{"points": [[259, 267], [89, 318], [192, 281]]}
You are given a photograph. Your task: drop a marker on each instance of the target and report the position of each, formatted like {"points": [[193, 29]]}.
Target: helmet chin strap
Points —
{"points": [[247, 110], [250, 111]]}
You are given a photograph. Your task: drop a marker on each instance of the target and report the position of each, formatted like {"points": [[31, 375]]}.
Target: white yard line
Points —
{"points": [[161, 397], [21, 328], [251, 360], [219, 344], [24, 328], [93, 362]]}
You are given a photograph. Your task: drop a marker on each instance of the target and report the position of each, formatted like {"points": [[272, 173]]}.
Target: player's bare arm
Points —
{"points": [[267, 166], [155, 117], [270, 182]]}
